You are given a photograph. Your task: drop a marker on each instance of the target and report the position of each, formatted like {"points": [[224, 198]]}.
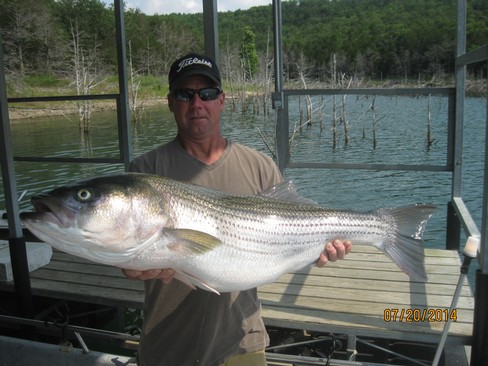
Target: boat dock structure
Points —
{"points": [[359, 311], [364, 297]]}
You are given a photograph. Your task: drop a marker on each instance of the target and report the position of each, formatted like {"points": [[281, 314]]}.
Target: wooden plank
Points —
{"points": [[348, 296], [338, 319], [72, 278], [87, 293], [359, 325], [290, 293], [354, 283], [351, 296]]}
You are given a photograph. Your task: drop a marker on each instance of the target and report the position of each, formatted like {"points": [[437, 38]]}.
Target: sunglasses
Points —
{"points": [[205, 94]]}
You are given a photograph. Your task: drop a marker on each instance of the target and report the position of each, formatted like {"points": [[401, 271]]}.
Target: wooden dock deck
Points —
{"points": [[364, 295]]}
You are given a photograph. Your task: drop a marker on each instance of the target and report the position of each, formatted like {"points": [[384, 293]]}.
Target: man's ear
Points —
{"points": [[222, 103], [170, 102]]}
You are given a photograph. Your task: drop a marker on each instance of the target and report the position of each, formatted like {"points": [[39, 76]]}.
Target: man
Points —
{"points": [[184, 327]]}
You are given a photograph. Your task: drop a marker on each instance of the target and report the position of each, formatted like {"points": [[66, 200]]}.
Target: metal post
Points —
{"points": [[479, 350], [18, 252], [210, 29], [278, 98], [123, 115], [453, 228], [483, 255], [460, 75]]}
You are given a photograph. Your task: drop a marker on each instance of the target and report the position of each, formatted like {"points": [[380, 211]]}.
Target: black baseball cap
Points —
{"points": [[193, 64]]}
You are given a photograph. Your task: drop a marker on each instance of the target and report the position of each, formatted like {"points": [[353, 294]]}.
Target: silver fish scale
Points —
{"points": [[218, 241], [267, 236], [255, 225]]}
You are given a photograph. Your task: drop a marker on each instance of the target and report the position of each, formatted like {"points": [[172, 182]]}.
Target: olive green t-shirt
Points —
{"points": [[185, 327]]}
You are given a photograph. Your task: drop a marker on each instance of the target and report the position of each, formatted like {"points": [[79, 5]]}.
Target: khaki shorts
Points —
{"points": [[247, 359]]}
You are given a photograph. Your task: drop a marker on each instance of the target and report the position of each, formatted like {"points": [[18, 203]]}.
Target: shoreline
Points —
{"points": [[23, 111], [19, 113]]}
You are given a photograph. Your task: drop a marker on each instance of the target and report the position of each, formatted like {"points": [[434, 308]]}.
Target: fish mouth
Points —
{"points": [[49, 210]]}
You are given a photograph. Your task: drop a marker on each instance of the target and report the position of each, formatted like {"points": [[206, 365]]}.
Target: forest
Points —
{"points": [[372, 39]]}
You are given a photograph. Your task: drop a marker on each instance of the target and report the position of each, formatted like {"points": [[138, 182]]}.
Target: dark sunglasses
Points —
{"points": [[205, 94]]}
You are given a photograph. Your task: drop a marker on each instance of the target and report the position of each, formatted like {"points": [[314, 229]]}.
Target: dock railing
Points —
{"points": [[458, 216], [479, 353], [16, 240]]}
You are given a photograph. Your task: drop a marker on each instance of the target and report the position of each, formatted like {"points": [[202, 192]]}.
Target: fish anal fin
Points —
{"points": [[193, 282]]}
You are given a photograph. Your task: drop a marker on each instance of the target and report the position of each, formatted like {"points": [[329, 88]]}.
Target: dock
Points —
{"points": [[365, 295]]}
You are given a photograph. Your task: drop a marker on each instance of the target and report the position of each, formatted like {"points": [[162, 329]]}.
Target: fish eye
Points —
{"points": [[84, 194]]}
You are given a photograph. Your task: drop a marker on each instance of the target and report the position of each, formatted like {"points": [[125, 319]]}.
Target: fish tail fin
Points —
{"points": [[406, 248]]}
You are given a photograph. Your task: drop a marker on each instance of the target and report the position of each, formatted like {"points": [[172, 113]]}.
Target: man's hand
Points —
{"points": [[165, 275], [334, 250]]}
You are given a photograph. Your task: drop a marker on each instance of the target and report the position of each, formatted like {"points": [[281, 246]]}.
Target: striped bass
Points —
{"points": [[213, 240]]}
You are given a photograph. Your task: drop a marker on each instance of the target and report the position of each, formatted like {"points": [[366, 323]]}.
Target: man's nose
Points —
{"points": [[196, 100]]}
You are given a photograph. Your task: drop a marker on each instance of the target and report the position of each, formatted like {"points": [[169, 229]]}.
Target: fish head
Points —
{"points": [[106, 217]]}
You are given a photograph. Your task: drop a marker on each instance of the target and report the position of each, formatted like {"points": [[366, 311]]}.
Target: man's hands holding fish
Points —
{"points": [[334, 250]]}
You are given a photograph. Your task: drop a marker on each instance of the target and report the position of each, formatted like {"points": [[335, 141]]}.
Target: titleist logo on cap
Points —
{"points": [[192, 61]]}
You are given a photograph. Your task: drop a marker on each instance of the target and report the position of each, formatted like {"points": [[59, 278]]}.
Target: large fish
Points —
{"points": [[216, 241]]}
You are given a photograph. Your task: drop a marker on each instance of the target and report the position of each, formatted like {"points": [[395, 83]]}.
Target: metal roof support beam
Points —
{"points": [[123, 99], [211, 29], [18, 252], [278, 99], [479, 351]]}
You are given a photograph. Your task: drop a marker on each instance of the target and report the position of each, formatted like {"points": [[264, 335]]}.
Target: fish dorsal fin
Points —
{"points": [[286, 192], [190, 242]]}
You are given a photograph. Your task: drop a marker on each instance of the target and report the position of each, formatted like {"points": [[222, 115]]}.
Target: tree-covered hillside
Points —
{"points": [[371, 38]]}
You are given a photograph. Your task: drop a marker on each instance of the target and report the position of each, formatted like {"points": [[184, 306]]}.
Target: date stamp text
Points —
{"points": [[419, 315]]}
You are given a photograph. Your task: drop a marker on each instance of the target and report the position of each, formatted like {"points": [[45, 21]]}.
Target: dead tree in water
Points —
{"points": [[85, 76], [430, 140], [303, 70], [342, 118], [372, 108], [227, 68], [136, 106], [81, 79], [374, 120], [266, 66], [334, 113]]}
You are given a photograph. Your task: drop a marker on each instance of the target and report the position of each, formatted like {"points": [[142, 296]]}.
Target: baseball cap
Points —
{"points": [[193, 64]]}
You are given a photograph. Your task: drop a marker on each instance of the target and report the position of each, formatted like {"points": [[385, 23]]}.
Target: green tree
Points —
{"points": [[248, 53], [30, 36]]}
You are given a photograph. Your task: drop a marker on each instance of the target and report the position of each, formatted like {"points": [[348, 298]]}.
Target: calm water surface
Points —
{"points": [[401, 138]]}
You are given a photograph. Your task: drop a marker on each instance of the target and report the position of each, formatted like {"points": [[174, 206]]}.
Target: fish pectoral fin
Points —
{"points": [[194, 282], [191, 242]]}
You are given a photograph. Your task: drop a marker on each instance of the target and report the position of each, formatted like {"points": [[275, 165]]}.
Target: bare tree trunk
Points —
{"points": [[334, 112], [136, 107], [83, 64], [374, 120], [430, 140]]}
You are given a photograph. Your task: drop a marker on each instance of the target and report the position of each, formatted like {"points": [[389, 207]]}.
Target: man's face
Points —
{"points": [[197, 119]]}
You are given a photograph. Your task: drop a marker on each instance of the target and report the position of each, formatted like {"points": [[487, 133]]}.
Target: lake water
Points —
{"points": [[401, 130]]}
